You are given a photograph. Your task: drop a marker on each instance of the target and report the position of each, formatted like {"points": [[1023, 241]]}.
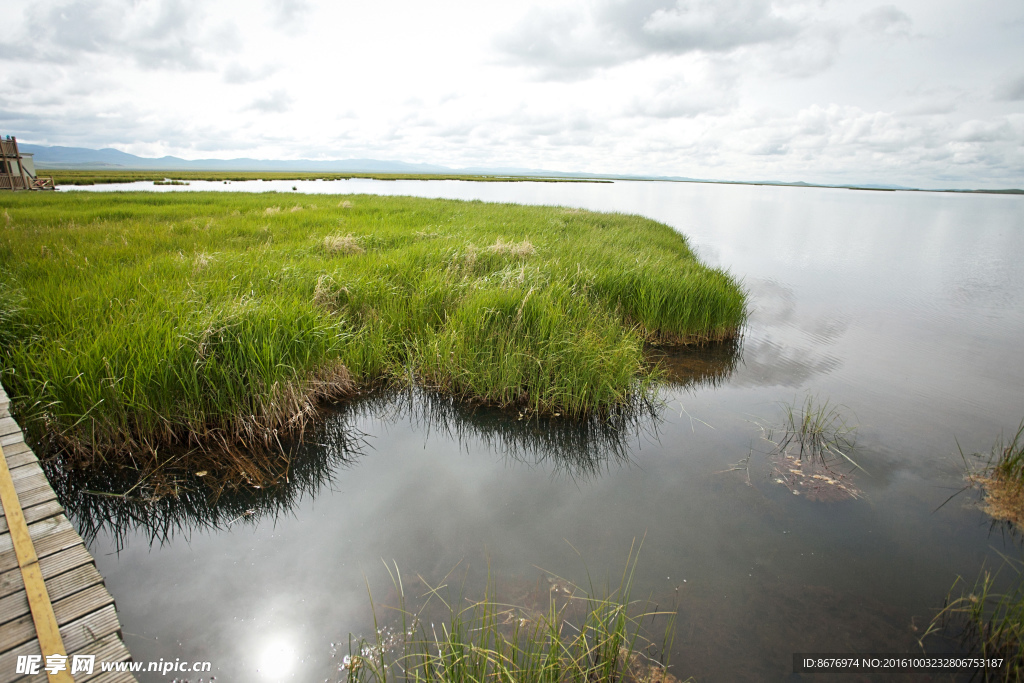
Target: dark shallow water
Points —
{"points": [[905, 308]]}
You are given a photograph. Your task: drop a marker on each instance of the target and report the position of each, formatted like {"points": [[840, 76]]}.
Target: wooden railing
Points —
{"points": [[12, 182]]}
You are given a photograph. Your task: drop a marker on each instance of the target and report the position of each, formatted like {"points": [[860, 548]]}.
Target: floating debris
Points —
{"points": [[812, 479]]}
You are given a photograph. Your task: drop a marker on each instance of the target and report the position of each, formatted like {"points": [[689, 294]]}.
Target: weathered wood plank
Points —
{"points": [[24, 472], [58, 588], [16, 449], [77, 635], [50, 566], [49, 536], [20, 459], [36, 496], [8, 425], [38, 531], [32, 480], [27, 485], [22, 630], [82, 605], [36, 513], [109, 649], [12, 439]]}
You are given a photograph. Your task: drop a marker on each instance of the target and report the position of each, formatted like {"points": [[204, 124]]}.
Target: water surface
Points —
{"points": [[907, 309]]}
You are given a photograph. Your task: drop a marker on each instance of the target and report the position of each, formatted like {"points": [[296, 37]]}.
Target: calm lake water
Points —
{"points": [[906, 309]]}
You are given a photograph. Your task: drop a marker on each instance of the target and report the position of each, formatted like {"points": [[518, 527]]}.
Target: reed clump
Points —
{"points": [[817, 430], [987, 618], [579, 638], [1002, 480], [145, 323]]}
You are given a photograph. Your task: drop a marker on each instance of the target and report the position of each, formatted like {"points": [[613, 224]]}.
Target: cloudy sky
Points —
{"points": [[917, 92]]}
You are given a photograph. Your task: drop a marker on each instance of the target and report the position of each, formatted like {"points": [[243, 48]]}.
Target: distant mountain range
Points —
{"points": [[68, 158], [81, 158]]}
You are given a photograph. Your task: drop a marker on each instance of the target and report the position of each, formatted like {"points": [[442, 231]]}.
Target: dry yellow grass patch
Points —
{"points": [[343, 244], [272, 210], [201, 260], [524, 248], [1004, 499], [345, 204]]}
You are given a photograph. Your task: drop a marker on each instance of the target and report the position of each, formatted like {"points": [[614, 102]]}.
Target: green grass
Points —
{"points": [[1001, 476], [818, 430], [580, 638], [94, 177], [987, 620], [1009, 459], [135, 323]]}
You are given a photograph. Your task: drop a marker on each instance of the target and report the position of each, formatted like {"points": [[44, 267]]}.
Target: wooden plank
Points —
{"points": [[8, 426], [36, 513], [58, 588], [50, 566], [12, 439], [34, 481], [51, 535], [22, 630], [21, 459], [26, 471], [77, 635], [16, 449], [41, 617], [38, 531], [109, 649], [37, 496]]}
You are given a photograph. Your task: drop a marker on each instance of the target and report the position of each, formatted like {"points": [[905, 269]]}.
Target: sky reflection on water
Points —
{"points": [[905, 308]]}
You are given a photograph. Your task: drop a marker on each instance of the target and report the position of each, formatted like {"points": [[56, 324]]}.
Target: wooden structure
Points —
{"points": [[50, 589], [17, 172]]}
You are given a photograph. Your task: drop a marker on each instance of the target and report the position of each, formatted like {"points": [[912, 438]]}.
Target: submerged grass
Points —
{"points": [[987, 621], [579, 638], [134, 325]]}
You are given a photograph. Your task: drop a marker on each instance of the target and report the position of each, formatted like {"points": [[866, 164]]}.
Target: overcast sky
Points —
{"points": [[915, 92]]}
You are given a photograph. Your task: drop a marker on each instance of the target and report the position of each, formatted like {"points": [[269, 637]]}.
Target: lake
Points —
{"points": [[904, 310]]}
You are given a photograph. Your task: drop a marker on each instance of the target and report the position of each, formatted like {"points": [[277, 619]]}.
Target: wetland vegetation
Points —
{"points": [[987, 619], [144, 327], [104, 177], [1002, 479], [566, 635]]}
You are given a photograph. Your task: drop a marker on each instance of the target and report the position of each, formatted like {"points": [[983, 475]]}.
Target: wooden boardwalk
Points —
{"points": [[83, 608]]}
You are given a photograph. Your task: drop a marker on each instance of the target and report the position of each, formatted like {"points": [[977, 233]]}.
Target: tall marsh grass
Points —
{"points": [[579, 638], [137, 324], [1002, 478], [987, 618]]}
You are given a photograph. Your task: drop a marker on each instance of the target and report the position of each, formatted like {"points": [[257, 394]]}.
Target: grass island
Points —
{"points": [[133, 325]]}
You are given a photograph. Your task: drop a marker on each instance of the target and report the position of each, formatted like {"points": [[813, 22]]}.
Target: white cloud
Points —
{"points": [[887, 21], [153, 33], [912, 92], [569, 42], [1012, 90]]}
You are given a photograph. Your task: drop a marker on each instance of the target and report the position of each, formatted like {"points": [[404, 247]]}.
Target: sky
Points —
{"points": [[923, 93]]}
